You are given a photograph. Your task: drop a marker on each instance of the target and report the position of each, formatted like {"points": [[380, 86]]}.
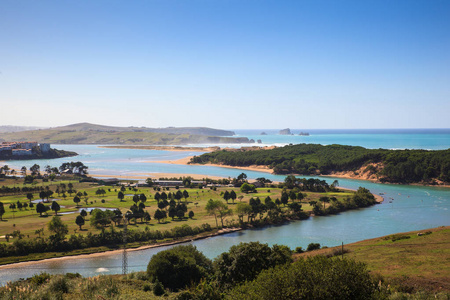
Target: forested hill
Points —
{"points": [[395, 166]]}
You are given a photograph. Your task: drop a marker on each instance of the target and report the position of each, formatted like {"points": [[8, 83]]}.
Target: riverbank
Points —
{"points": [[118, 251]]}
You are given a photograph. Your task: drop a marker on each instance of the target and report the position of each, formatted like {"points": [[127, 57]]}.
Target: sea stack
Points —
{"points": [[286, 131]]}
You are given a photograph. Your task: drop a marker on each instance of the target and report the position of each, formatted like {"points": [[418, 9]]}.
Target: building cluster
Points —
{"points": [[22, 148]]}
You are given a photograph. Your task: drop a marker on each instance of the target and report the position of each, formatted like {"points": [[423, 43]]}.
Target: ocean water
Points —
{"points": [[431, 139], [411, 207]]}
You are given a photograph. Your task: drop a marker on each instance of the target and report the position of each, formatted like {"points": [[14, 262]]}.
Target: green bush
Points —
{"points": [[179, 266], [41, 278], [246, 260], [313, 278], [313, 246], [158, 288]]}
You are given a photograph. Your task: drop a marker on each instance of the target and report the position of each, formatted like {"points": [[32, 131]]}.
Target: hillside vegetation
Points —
{"points": [[85, 133], [395, 166], [403, 266]]}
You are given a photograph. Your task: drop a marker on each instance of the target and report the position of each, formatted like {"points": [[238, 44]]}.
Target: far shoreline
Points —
{"points": [[266, 169]]}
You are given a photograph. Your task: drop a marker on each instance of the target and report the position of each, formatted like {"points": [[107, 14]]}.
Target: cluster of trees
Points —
{"points": [[399, 166], [257, 271], [57, 241], [362, 198]]}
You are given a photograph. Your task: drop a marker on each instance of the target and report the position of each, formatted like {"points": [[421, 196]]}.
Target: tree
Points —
{"points": [[243, 209], [2, 211], [149, 182], [324, 200], [41, 208], [30, 196], [292, 195], [180, 214], [120, 195], [245, 261], [159, 215], [212, 209], [58, 228], [191, 214], [233, 195], [79, 221], [247, 188], [55, 207], [185, 195], [83, 213], [284, 198], [157, 197], [178, 267], [147, 217], [224, 211], [226, 196], [135, 198], [35, 169], [143, 198], [77, 200], [242, 177], [100, 218], [172, 212], [23, 170]]}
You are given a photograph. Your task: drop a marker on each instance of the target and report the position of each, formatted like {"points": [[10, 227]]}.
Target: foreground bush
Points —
{"points": [[178, 267], [246, 260], [314, 278]]}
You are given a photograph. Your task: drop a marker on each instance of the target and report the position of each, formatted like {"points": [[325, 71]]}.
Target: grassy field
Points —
{"points": [[410, 261], [27, 220]]}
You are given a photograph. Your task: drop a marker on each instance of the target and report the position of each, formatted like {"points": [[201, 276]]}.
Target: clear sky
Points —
{"points": [[226, 63]]}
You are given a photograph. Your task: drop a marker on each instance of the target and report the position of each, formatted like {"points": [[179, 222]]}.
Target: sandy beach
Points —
{"points": [[166, 148], [185, 161]]}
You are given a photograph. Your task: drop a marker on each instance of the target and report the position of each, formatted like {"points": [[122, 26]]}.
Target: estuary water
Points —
{"points": [[405, 208]]}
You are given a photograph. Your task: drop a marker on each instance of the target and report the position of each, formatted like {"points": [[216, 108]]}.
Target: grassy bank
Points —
{"points": [[412, 261]]}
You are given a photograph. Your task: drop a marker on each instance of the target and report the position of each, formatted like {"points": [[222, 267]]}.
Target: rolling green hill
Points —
{"points": [[85, 133]]}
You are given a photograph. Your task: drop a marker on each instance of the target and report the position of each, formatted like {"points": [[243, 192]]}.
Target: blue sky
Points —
{"points": [[226, 63]]}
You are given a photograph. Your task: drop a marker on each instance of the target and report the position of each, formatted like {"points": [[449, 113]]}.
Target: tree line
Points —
{"points": [[395, 166]]}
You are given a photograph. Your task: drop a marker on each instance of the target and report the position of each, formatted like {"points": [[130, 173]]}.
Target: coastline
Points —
{"points": [[266, 169], [165, 148], [185, 161]]}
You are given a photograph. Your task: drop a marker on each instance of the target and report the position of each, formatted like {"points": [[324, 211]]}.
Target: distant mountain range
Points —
{"points": [[10, 128], [86, 133]]}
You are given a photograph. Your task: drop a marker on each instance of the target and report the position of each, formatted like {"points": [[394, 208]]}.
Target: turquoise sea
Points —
{"points": [[411, 207]]}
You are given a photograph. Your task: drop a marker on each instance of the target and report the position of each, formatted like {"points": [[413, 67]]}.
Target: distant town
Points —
{"points": [[30, 150], [22, 148]]}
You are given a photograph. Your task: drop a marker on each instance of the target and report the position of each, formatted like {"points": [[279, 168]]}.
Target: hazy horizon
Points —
{"points": [[234, 129]]}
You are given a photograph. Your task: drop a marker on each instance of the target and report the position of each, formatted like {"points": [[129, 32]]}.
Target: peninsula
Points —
{"points": [[86, 133], [382, 165]]}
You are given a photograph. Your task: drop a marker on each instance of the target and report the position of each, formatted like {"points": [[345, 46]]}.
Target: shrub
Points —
{"points": [[299, 250], [179, 266], [39, 279], [158, 288], [245, 261], [313, 246], [147, 287], [317, 277]]}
